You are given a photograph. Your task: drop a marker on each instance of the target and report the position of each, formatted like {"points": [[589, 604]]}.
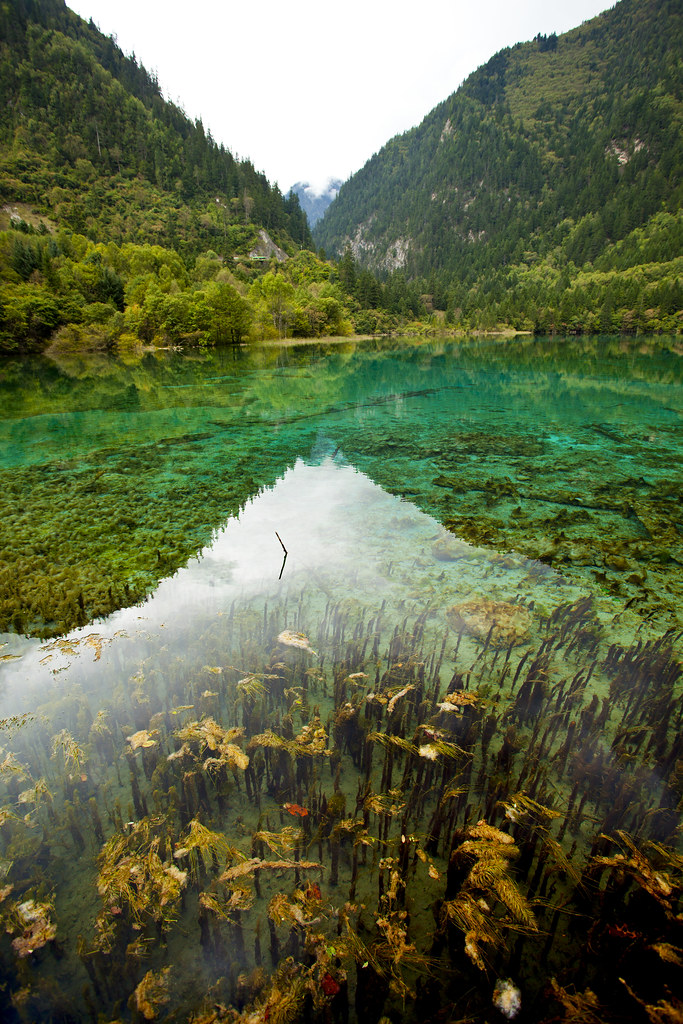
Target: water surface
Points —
{"points": [[257, 782], [114, 474]]}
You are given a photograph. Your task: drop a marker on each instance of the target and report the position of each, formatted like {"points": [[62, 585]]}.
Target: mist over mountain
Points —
{"points": [[315, 201]]}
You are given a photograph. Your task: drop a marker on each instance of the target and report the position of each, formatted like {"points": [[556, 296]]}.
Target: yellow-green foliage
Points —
{"points": [[487, 851], [200, 846], [133, 877]]}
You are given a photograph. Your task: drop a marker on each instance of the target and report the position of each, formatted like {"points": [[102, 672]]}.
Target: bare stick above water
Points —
{"points": [[280, 539], [286, 553]]}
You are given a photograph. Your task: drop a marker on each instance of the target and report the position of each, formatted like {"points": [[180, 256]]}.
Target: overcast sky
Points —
{"points": [[310, 91]]}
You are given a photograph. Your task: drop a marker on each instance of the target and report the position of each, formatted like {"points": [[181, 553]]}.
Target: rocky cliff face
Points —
{"points": [[555, 148], [266, 248]]}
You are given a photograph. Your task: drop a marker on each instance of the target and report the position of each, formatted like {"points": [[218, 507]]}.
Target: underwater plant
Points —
{"points": [[31, 924], [151, 995], [203, 848], [136, 886], [413, 819], [479, 882]]}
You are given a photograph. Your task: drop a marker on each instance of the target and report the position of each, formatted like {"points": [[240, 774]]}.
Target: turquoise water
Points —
{"points": [[358, 705], [567, 451]]}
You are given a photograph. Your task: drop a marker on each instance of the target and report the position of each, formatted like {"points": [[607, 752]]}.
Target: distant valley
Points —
{"points": [[544, 195], [314, 201]]}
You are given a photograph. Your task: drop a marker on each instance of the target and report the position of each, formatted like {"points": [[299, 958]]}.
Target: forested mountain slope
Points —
{"points": [[558, 154], [86, 133], [123, 222]]}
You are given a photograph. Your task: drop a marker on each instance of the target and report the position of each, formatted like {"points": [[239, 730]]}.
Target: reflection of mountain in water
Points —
{"points": [[347, 540], [116, 474], [434, 744]]}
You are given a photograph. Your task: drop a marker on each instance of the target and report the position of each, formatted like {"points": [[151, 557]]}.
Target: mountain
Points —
{"points": [[86, 132], [123, 223], [553, 173], [313, 201]]}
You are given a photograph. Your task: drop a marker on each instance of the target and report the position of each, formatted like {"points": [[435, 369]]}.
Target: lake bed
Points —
{"points": [[400, 762]]}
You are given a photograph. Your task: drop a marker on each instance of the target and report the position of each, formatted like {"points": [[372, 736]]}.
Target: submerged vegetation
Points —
{"points": [[571, 464], [448, 786], [354, 817]]}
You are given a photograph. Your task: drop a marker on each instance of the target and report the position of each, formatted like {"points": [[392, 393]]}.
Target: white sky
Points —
{"points": [[310, 91]]}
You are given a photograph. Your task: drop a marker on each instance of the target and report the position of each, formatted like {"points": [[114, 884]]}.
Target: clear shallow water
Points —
{"points": [[347, 541], [568, 724], [114, 474]]}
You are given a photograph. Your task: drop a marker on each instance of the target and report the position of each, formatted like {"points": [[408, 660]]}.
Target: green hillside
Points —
{"points": [[546, 192], [87, 136], [123, 222]]}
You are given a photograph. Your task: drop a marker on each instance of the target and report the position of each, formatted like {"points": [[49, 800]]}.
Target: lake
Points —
{"points": [[342, 682]]}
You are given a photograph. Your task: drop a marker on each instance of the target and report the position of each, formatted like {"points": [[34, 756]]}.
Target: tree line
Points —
{"points": [[68, 290]]}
